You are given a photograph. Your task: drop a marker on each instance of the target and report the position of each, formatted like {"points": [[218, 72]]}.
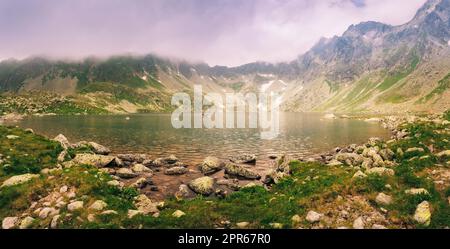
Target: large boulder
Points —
{"points": [[99, 149], [99, 161], [203, 185], [16, 180], [245, 158], [240, 171], [211, 165]]}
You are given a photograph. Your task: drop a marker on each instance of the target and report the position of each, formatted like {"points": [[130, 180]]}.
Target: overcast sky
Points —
{"points": [[224, 32]]}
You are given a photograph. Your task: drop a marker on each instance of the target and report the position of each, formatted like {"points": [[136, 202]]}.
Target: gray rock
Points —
{"points": [[19, 179], [178, 214], [48, 212], [442, 154], [381, 171], [313, 217], [240, 171], [417, 191], [352, 159], [145, 205], [383, 199], [140, 168], [203, 185], [139, 183], [138, 158], [423, 213], [358, 223], [76, 205], [10, 222], [98, 205], [176, 171], [63, 141], [125, 173], [99, 161], [387, 154], [359, 174], [183, 192], [211, 165], [26, 222], [54, 222], [99, 149], [245, 159], [376, 226]]}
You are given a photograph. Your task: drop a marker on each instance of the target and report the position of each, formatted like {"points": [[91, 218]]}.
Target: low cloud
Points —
{"points": [[225, 32]]}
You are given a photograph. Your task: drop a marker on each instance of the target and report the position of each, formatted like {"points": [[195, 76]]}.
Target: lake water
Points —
{"points": [[301, 135]]}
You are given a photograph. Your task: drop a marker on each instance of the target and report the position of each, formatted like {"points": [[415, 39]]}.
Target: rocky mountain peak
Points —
{"points": [[433, 9], [367, 27]]}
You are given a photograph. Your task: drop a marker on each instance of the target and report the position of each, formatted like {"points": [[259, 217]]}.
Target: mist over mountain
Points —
{"points": [[372, 67]]}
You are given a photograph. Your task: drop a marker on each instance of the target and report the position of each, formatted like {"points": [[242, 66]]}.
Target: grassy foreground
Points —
{"points": [[339, 198]]}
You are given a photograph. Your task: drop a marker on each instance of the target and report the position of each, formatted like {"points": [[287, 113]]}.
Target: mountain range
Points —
{"points": [[371, 67]]}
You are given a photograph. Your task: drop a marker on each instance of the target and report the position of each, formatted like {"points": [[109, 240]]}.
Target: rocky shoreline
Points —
{"points": [[219, 179]]}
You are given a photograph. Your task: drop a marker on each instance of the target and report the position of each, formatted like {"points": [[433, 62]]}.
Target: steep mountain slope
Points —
{"points": [[372, 67], [377, 67]]}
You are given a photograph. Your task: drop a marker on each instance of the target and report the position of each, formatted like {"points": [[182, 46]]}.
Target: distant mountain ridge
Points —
{"points": [[372, 67]]}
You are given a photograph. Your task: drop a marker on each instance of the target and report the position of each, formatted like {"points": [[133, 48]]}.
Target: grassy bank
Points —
{"points": [[331, 191]]}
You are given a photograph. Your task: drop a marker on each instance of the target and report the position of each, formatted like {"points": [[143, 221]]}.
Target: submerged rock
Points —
{"points": [[176, 171], [245, 159], [138, 158]]}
